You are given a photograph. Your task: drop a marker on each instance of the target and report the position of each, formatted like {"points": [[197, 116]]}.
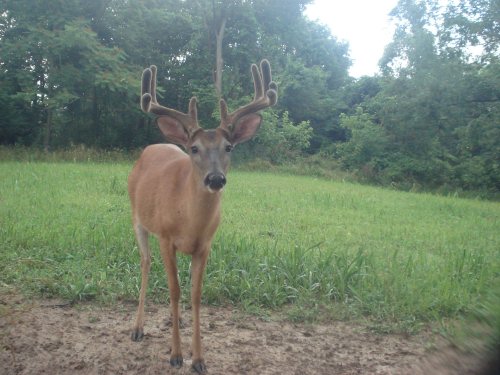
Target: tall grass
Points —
{"points": [[308, 244], [73, 153]]}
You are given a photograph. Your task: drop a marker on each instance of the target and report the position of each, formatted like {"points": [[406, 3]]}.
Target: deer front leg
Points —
{"points": [[170, 262], [198, 263]]}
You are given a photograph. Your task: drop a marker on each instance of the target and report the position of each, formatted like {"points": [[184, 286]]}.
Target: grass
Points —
{"points": [[308, 245]]}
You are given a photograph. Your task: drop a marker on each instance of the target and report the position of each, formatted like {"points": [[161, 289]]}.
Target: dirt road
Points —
{"points": [[51, 337]]}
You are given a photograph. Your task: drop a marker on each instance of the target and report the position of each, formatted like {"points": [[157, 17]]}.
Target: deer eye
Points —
{"points": [[194, 150], [229, 148]]}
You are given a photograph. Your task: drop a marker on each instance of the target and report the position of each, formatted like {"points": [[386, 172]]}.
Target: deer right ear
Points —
{"points": [[172, 130]]}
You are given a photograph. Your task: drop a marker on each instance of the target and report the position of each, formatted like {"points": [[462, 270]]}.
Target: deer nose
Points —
{"points": [[215, 181]]}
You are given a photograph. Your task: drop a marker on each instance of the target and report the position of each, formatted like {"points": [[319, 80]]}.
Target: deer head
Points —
{"points": [[210, 150]]}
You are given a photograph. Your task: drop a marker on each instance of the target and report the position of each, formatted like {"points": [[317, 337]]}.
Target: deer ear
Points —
{"points": [[245, 128], [172, 130]]}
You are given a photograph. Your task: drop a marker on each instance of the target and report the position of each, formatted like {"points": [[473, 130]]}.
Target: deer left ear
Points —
{"points": [[245, 128]]}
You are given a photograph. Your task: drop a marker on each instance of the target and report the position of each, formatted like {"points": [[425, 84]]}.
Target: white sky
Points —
{"points": [[365, 24]]}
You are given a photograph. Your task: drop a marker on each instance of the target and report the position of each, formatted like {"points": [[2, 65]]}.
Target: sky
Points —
{"points": [[364, 24]]}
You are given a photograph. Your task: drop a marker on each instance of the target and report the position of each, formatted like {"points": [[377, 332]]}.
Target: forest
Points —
{"points": [[70, 75]]}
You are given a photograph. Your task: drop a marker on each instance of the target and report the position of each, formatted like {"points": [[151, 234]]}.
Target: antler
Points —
{"points": [[189, 121], [266, 95]]}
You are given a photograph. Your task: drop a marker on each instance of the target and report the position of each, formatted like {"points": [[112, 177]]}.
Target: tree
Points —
{"points": [[472, 23], [57, 64], [436, 101], [279, 140], [367, 145]]}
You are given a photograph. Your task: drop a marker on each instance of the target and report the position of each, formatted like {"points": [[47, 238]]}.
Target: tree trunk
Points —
{"points": [[48, 131], [219, 36], [95, 117]]}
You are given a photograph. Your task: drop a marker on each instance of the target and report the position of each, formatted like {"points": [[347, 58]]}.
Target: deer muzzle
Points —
{"points": [[215, 181]]}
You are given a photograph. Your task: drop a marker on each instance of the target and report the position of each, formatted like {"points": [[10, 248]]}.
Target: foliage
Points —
{"points": [[280, 139], [56, 66], [472, 23], [70, 70], [367, 141], [437, 104]]}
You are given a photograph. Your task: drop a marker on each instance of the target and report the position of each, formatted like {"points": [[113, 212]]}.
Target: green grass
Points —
{"points": [[304, 244]]}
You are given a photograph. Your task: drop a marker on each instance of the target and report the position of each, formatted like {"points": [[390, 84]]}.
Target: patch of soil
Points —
{"points": [[49, 337]]}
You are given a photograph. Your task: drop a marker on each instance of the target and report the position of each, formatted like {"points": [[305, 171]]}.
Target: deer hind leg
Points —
{"points": [[198, 264], [142, 236], [170, 262]]}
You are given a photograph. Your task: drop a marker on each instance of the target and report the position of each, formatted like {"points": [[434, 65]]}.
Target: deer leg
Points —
{"points": [[170, 262], [142, 240], [198, 263]]}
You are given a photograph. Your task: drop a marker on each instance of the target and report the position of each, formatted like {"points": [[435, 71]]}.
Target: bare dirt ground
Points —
{"points": [[51, 337]]}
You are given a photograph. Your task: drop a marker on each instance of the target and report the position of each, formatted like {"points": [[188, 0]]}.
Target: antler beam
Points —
{"points": [[149, 103], [266, 95]]}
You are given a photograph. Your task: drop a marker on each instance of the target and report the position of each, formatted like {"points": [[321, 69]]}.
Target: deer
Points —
{"points": [[175, 193]]}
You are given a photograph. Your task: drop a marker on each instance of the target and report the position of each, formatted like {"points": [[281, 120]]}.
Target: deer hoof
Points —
{"points": [[137, 334], [176, 361], [199, 366]]}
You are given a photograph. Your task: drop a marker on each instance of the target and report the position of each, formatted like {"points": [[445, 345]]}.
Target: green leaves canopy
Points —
{"points": [[70, 71]]}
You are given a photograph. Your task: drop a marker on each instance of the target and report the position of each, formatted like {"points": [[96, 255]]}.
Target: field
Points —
{"points": [[308, 249]]}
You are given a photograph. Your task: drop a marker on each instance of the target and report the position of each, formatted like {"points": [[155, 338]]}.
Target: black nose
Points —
{"points": [[215, 181]]}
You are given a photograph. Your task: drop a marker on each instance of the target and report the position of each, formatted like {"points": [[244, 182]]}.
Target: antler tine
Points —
{"points": [[146, 89], [265, 67], [269, 84], [153, 83], [257, 82], [266, 95], [149, 103]]}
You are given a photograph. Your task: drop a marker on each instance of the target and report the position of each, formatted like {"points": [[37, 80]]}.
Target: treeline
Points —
{"points": [[70, 71]]}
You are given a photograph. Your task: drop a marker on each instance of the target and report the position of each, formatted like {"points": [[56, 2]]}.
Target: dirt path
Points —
{"points": [[46, 337]]}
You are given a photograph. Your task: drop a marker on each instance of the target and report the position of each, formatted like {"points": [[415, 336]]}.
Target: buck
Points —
{"points": [[176, 195]]}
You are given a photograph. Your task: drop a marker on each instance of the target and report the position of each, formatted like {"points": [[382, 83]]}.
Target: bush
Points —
{"points": [[367, 145], [279, 140]]}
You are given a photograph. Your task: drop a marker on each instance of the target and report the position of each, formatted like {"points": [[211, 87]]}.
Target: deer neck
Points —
{"points": [[203, 204]]}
